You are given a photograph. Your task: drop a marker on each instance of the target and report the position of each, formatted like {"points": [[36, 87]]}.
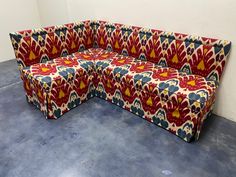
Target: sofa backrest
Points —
{"points": [[190, 54], [40, 45]]}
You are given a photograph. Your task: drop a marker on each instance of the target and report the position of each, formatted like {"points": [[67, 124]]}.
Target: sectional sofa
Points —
{"points": [[169, 79]]}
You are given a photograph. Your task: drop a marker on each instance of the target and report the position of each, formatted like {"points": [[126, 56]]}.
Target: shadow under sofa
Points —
{"points": [[169, 79]]}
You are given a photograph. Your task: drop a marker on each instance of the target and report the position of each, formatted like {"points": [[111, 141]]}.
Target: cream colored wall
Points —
{"points": [[53, 12], [211, 18], [15, 15]]}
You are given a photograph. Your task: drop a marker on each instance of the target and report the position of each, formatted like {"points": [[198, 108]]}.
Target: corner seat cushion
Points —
{"points": [[94, 54], [169, 84], [62, 68]]}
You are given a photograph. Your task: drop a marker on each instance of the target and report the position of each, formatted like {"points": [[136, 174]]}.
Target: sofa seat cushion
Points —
{"points": [[168, 83], [63, 68], [120, 62], [95, 54]]}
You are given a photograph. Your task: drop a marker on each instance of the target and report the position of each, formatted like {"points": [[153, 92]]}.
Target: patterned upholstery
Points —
{"points": [[63, 68], [169, 79], [158, 80], [191, 54], [179, 96], [41, 45], [95, 54]]}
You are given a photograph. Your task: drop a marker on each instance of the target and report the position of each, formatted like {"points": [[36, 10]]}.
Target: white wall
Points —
{"points": [[53, 12], [15, 15], [210, 18]]}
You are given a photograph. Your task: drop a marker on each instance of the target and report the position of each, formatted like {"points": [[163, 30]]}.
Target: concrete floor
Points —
{"points": [[100, 139]]}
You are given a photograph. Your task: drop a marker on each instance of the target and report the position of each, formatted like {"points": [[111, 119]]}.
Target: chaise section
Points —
{"points": [[59, 85]]}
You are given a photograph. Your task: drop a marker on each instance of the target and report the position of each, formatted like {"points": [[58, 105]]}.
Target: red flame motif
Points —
{"points": [[81, 85], [88, 36], [122, 60], [73, 41], [116, 41], [66, 61], [128, 92], [204, 61], [30, 51], [163, 74], [102, 37], [109, 84], [53, 45], [60, 92], [153, 49], [150, 102], [192, 82], [134, 45], [177, 110], [43, 69], [140, 67]]}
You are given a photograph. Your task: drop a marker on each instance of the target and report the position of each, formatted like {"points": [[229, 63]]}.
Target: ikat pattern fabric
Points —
{"points": [[44, 44], [191, 54], [169, 79]]}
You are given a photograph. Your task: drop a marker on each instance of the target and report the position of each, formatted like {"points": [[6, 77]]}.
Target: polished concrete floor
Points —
{"points": [[98, 139]]}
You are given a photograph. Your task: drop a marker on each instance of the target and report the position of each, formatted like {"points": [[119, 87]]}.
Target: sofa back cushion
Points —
{"points": [[190, 54], [40, 45]]}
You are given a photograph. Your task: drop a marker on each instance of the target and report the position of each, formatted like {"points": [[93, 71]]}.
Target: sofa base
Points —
{"points": [[54, 117]]}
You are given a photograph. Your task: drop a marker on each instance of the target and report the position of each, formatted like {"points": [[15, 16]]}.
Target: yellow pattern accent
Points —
{"points": [[28, 42], [81, 85], [179, 100], [153, 55], [118, 75], [61, 94], [121, 61], [197, 104], [176, 113], [175, 59], [192, 83], [39, 94], [141, 67], [201, 65], [54, 50], [72, 45], [165, 74], [177, 45], [149, 101], [117, 45], [127, 92], [205, 51], [86, 56], [133, 50], [89, 41], [102, 41], [67, 62], [139, 82], [27, 86], [165, 91], [150, 88], [45, 69], [32, 55], [109, 84], [105, 55]]}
